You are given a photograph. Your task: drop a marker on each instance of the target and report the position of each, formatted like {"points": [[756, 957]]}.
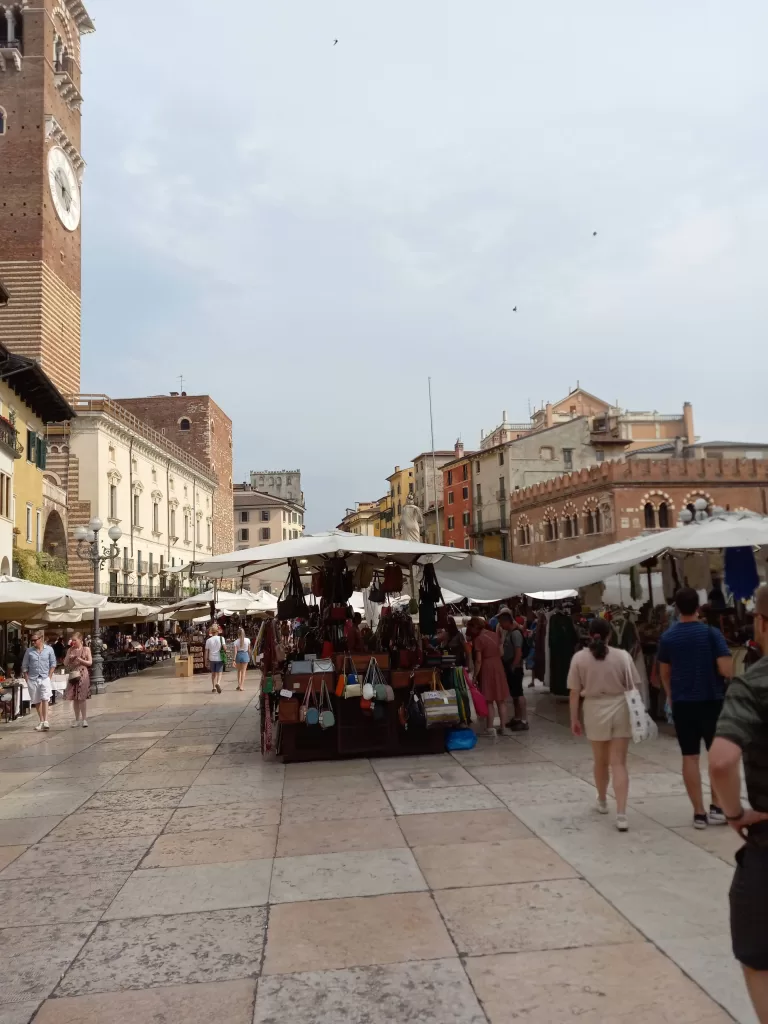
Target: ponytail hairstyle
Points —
{"points": [[599, 631]]}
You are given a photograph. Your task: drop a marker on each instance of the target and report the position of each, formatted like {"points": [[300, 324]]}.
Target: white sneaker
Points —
{"points": [[46, 727], [39, 727], [75, 723], [621, 823], [85, 724], [601, 806]]}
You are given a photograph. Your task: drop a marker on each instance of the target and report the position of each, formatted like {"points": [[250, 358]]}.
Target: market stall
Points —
{"points": [[328, 692]]}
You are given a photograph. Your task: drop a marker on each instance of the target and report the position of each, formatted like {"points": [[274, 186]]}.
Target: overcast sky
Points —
{"points": [[308, 231]]}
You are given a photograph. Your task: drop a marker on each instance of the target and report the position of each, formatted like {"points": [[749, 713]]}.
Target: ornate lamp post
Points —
{"points": [[88, 549]]}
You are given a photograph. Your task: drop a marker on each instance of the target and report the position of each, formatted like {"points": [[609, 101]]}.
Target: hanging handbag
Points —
{"points": [[291, 603], [440, 705], [268, 685], [363, 576], [288, 711], [318, 583], [393, 579], [368, 681], [327, 717], [308, 705], [376, 594], [414, 711]]}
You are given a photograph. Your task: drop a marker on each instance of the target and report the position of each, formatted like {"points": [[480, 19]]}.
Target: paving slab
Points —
{"points": [[105, 824], [408, 993], [61, 898], [91, 857], [295, 840], [230, 1001], [222, 846], [458, 865], [333, 875], [34, 959], [221, 945]]}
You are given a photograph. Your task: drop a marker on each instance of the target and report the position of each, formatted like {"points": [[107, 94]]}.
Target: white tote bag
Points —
{"points": [[643, 726]]}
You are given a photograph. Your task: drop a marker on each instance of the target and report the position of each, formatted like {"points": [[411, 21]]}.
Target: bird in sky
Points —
{"points": [[594, 233], [514, 309], [335, 41]]}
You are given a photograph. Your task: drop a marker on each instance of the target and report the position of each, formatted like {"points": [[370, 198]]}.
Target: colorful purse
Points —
{"points": [[309, 713], [327, 717], [268, 685]]}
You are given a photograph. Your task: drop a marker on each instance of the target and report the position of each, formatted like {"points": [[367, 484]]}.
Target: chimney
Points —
{"points": [[688, 423], [504, 416], [678, 447], [550, 419], [174, 394], [458, 449]]}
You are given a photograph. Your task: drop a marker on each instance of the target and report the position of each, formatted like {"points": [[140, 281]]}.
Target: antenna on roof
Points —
{"points": [[181, 383]]}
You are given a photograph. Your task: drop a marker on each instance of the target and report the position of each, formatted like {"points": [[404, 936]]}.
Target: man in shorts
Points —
{"points": [[37, 668], [512, 656], [694, 660], [742, 730]]}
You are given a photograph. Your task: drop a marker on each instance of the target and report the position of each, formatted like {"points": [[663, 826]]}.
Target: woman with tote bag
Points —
{"points": [[603, 675]]}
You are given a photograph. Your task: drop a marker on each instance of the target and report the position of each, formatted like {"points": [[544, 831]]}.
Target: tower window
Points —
{"points": [[184, 424]]}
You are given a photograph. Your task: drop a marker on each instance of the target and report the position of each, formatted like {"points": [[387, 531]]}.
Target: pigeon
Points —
{"points": [[335, 41], [594, 233], [514, 309]]}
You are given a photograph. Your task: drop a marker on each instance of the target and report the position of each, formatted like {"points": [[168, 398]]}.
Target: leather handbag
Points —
{"points": [[363, 576], [268, 685], [327, 717], [393, 579], [376, 594], [415, 717], [441, 706], [318, 583], [288, 711], [308, 712]]}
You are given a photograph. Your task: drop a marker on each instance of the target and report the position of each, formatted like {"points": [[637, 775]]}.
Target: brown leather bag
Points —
{"points": [[393, 579], [288, 711]]}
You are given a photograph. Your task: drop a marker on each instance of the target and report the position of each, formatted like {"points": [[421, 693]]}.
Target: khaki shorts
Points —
{"points": [[606, 718]]}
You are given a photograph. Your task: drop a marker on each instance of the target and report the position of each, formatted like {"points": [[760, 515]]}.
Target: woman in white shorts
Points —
{"points": [[601, 675]]}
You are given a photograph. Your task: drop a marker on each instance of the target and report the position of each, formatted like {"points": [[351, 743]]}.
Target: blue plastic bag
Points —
{"points": [[460, 739]]}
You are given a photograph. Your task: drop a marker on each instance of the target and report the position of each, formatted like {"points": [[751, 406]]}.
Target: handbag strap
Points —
{"points": [[309, 696]]}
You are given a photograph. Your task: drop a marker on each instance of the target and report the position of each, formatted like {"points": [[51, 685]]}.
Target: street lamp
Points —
{"points": [[88, 549]]}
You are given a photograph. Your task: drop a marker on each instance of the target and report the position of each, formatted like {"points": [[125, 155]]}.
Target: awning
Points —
{"points": [[24, 601]]}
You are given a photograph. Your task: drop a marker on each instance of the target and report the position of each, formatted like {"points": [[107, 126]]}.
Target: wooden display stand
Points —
{"points": [[356, 734], [185, 666]]}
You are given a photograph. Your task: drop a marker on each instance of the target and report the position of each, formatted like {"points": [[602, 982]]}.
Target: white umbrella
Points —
{"points": [[108, 613], [22, 600]]}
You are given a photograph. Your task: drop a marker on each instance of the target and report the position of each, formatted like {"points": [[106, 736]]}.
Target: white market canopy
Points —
{"points": [[227, 603], [109, 614], [458, 570], [22, 600], [727, 530]]}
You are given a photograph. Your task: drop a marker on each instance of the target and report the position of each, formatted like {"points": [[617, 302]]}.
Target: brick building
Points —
{"points": [[197, 425], [613, 501], [42, 170], [457, 497]]}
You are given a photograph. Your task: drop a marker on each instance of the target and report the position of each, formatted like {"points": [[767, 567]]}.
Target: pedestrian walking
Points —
{"points": [[78, 661], [742, 731], [694, 660], [489, 670], [37, 668], [242, 657], [602, 675], [214, 657], [512, 650]]}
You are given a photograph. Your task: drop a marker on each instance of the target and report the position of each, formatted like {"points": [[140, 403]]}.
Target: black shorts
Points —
{"points": [[695, 720], [749, 907], [514, 680]]}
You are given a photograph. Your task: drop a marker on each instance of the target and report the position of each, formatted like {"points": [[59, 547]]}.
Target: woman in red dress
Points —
{"points": [[78, 660], [489, 671]]}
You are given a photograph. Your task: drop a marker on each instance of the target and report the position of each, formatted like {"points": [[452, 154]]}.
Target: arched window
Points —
{"points": [[650, 516], [598, 521], [3, 121], [575, 521], [184, 424], [568, 527], [664, 516], [549, 533], [521, 536], [590, 521]]}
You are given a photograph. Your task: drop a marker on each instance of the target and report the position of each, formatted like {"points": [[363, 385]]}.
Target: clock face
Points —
{"points": [[65, 190]]}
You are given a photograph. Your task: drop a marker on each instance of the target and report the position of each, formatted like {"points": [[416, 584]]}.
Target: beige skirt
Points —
{"points": [[606, 718]]}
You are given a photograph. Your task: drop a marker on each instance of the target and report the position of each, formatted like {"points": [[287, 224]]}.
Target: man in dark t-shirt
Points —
{"points": [[742, 731], [694, 660]]}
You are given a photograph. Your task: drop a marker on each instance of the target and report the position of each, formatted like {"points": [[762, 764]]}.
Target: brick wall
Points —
{"points": [[620, 492], [209, 439], [42, 319]]}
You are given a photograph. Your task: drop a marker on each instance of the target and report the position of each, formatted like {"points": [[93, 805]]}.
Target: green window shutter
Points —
{"points": [[42, 452], [31, 445]]}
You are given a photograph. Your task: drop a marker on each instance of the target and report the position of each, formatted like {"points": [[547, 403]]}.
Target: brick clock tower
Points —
{"points": [[41, 171]]}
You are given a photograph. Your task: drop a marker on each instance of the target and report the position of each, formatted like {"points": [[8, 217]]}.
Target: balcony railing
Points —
{"points": [[489, 526], [501, 495], [9, 439], [142, 567], [128, 565]]}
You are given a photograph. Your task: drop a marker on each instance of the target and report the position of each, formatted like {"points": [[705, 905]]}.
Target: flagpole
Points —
{"points": [[434, 464]]}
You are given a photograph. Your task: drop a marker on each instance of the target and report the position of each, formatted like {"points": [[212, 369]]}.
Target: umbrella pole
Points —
{"points": [[650, 586]]}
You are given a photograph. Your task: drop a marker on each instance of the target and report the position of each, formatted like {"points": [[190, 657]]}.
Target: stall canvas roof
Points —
{"points": [[22, 600]]}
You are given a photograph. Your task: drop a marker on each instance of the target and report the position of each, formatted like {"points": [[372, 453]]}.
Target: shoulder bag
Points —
{"points": [[327, 717], [308, 712], [415, 717], [440, 705], [643, 726]]}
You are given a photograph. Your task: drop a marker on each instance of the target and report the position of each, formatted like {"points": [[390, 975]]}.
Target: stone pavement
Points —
{"points": [[154, 868]]}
